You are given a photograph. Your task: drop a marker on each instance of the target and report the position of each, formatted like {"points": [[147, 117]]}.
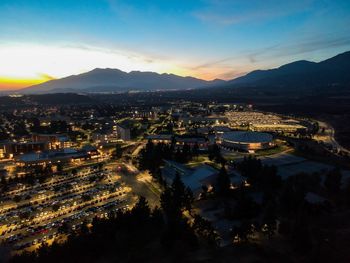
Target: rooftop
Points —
{"points": [[247, 137]]}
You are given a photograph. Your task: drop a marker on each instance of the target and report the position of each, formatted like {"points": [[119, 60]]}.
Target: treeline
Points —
{"points": [[152, 155], [298, 208]]}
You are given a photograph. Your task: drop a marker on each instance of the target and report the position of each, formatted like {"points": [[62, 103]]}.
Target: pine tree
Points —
{"points": [[223, 183]]}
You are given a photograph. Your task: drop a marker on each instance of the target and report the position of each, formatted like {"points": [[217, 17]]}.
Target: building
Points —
{"points": [[55, 141], [50, 157], [263, 122], [91, 151], [10, 149], [247, 140], [104, 138], [202, 142], [145, 114], [2, 151], [160, 138], [180, 141], [123, 132], [220, 130], [278, 127], [194, 178], [199, 120]]}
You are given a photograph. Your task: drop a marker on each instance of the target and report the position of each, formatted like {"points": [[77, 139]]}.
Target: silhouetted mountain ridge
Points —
{"points": [[301, 75], [115, 80], [333, 71]]}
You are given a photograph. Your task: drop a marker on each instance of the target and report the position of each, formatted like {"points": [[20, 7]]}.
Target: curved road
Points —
{"points": [[328, 136]]}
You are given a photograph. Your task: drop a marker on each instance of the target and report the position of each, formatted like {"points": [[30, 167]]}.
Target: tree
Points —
{"points": [[291, 197], [64, 228], [86, 197], [243, 232], [55, 207], [141, 211], [269, 180], [3, 181], [118, 151], [84, 230], [213, 152], [204, 191], [157, 174], [269, 220], [195, 149], [262, 177], [166, 201], [301, 231], [25, 215], [151, 157], [178, 155], [20, 129], [186, 153], [347, 193], [176, 198], [178, 192], [59, 167], [333, 181], [223, 183], [246, 207], [17, 198], [188, 199], [204, 229]]}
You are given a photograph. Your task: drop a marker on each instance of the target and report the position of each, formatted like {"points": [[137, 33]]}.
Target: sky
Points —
{"points": [[42, 40]]}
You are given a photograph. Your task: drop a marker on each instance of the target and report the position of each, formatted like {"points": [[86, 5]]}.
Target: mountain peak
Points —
{"points": [[104, 70], [298, 63]]}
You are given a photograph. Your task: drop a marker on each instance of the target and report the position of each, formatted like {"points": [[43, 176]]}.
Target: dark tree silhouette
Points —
{"points": [[333, 181], [223, 183]]}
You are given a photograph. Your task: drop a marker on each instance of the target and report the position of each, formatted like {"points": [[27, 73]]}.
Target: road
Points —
{"points": [[140, 182], [326, 134]]}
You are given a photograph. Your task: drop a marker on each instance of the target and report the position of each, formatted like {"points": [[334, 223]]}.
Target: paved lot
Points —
{"points": [[289, 164], [114, 187]]}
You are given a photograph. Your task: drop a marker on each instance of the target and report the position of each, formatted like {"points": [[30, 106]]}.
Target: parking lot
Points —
{"points": [[52, 210]]}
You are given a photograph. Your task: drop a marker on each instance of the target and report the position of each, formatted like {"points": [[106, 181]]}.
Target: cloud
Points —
{"points": [[231, 74], [243, 55], [280, 50], [304, 46], [232, 19], [213, 63], [116, 50]]}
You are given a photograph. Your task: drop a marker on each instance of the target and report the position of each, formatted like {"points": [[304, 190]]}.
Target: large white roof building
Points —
{"points": [[247, 140]]}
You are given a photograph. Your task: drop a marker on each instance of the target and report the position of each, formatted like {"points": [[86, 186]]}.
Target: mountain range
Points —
{"points": [[114, 80], [299, 74], [333, 71]]}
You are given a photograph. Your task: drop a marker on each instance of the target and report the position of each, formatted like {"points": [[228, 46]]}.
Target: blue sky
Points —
{"points": [[204, 38]]}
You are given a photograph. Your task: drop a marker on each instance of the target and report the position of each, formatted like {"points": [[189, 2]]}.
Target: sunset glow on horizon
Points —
{"points": [[19, 83], [42, 40], [35, 64]]}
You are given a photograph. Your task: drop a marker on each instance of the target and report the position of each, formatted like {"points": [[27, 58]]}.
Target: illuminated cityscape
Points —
{"points": [[174, 131]]}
